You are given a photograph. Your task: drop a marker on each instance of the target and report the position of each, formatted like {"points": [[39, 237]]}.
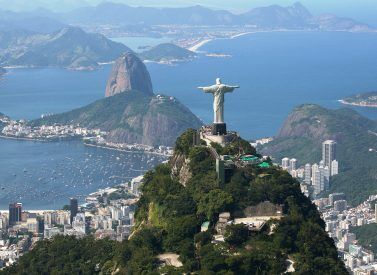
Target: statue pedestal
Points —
{"points": [[218, 129]]}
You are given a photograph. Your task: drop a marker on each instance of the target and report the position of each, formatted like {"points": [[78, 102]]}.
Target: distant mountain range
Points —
{"points": [[69, 47], [270, 17], [309, 125], [45, 38], [41, 21], [275, 16]]}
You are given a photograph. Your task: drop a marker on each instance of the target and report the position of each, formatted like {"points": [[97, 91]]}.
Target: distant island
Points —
{"points": [[167, 53], [362, 100]]}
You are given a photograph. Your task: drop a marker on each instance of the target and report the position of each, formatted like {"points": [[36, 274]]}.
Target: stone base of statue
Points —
{"points": [[219, 129], [206, 134]]}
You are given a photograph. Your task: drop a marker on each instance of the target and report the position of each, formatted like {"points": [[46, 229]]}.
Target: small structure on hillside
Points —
{"points": [[264, 209], [224, 221], [170, 259], [204, 227]]}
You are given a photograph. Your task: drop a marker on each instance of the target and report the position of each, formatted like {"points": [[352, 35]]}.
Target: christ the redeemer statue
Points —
{"points": [[218, 90]]}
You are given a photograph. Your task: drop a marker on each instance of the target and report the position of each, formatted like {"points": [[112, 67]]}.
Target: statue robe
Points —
{"points": [[218, 91]]}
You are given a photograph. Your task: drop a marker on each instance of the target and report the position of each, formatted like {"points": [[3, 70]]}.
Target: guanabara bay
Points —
{"points": [[188, 137]]}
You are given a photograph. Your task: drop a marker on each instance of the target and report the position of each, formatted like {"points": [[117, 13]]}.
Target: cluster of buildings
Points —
{"points": [[20, 129], [94, 137], [107, 213], [315, 177], [339, 219]]}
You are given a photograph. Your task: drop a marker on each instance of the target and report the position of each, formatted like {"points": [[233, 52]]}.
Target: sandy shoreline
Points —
{"points": [[200, 44], [196, 47]]}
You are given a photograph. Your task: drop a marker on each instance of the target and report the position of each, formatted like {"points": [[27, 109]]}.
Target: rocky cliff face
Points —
{"points": [[129, 73], [180, 168]]}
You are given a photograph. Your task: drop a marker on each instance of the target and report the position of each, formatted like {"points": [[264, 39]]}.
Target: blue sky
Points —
{"points": [[362, 10]]}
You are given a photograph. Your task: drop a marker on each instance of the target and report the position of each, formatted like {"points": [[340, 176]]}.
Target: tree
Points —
{"points": [[214, 202], [236, 234]]}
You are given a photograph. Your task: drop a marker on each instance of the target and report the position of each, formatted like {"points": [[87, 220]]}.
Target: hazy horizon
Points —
{"points": [[363, 11]]}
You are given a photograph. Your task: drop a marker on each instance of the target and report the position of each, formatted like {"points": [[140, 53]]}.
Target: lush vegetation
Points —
{"points": [[169, 216], [309, 125], [131, 117], [65, 255], [166, 52], [366, 235]]}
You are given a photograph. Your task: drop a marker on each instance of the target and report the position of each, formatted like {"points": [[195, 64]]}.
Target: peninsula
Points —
{"points": [[362, 100]]}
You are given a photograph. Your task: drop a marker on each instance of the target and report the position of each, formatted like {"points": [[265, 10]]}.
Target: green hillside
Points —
{"points": [[132, 117], [167, 52], [169, 218], [366, 235], [309, 125]]}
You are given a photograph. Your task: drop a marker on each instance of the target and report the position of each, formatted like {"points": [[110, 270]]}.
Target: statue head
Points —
{"points": [[218, 81]]}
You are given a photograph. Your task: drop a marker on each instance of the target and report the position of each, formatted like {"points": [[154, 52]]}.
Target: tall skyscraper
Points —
{"points": [[293, 164], [285, 163], [74, 208], [15, 213], [328, 152], [316, 179], [326, 178], [334, 167], [308, 174]]}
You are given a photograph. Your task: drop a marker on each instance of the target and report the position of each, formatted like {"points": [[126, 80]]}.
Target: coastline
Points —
{"points": [[125, 150], [24, 138], [357, 104], [200, 44], [196, 47], [86, 144]]}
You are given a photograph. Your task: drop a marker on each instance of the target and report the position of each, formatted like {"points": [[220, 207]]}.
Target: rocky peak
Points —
{"points": [[69, 31], [300, 10], [305, 121], [129, 73]]}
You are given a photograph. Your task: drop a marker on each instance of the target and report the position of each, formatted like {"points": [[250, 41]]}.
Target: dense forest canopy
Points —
{"points": [[169, 218]]}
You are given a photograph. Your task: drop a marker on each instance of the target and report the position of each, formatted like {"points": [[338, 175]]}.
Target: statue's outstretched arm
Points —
{"points": [[230, 89], [206, 89]]}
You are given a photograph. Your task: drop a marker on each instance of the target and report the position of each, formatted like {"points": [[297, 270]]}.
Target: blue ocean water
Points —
{"points": [[44, 175], [276, 71]]}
